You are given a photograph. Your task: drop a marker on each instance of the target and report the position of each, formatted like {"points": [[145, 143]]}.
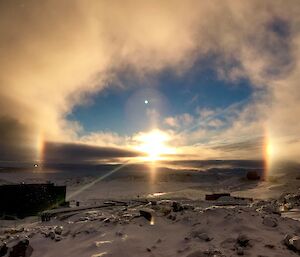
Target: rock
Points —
{"points": [[201, 235], [292, 199], [153, 203], [271, 208], [242, 241], [147, 213], [51, 235], [270, 246], [58, 230], [58, 238], [21, 249], [85, 218], [165, 210], [31, 235], [188, 207], [177, 207], [270, 222], [286, 239], [207, 253], [3, 249], [295, 242], [172, 217]]}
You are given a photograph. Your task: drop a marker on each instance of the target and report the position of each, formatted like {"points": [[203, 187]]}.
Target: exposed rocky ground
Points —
{"points": [[161, 228]]}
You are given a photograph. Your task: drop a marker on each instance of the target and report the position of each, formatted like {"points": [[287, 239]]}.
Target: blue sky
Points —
{"points": [[124, 111]]}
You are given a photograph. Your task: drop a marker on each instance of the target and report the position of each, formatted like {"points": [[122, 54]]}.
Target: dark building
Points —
{"points": [[29, 199]]}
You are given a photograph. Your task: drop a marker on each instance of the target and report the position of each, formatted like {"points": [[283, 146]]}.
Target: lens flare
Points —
{"points": [[40, 145], [269, 154]]}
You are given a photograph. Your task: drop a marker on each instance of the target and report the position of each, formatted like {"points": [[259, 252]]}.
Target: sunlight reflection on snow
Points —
{"points": [[99, 254], [99, 243]]}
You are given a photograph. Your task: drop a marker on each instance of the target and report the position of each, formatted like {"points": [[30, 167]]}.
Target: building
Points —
{"points": [[24, 200]]}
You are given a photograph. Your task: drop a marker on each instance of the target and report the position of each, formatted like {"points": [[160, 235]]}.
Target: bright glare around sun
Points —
{"points": [[154, 144]]}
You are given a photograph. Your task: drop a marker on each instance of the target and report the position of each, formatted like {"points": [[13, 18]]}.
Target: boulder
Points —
{"points": [[21, 249]]}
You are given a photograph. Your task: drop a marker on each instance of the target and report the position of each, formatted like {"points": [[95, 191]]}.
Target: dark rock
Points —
{"points": [[153, 203], [292, 199], [177, 207], [51, 235], [242, 241], [172, 217], [214, 197], [207, 253], [21, 249], [3, 249], [147, 213], [270, 246], [286, 240], [58, 230], [293, 242], [58, 238]]}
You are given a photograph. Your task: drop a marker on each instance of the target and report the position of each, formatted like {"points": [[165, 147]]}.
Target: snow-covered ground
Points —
{"points": [[194, 228]]}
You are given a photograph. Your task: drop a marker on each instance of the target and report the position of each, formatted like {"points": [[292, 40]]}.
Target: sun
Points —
{"points": [[154, 144]]}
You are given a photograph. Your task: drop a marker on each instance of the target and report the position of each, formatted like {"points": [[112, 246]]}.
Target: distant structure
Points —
{"points": [[24, 200], [214, 197]]}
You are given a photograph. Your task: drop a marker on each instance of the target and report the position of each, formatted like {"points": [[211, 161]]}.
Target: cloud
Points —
{"points": [[55, 54], [179, 121], [83, 153], [104, 139], [171, 122], [16, 141]]}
